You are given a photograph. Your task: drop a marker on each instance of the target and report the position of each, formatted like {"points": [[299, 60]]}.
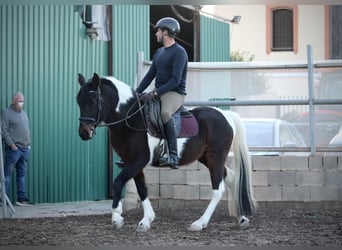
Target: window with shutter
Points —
{"points": [[281, 28]]}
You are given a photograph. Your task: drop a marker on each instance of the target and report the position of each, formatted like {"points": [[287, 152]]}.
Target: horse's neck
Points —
{"points": [[130, 125], [129, 115]]}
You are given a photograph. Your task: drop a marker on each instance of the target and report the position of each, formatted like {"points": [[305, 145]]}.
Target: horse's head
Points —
{"points": [[90, 101]]}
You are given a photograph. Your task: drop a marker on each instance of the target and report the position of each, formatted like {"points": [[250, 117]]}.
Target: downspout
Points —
{"points": [[110, 73], [197, 36]]}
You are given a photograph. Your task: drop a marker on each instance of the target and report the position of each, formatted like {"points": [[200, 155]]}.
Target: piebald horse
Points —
{"points": [[109, 102]]}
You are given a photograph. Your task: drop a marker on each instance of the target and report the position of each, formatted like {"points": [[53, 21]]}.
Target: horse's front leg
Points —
{"points": [[202, 222], [117, 219], [126, 174], [149, 215]]}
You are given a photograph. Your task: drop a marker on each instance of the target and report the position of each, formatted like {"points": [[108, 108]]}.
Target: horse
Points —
{"points": [[110, 102]]}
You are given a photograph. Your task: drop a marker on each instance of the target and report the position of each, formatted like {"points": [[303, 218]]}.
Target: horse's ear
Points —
{"points": [[81, 79], [96, 81]]}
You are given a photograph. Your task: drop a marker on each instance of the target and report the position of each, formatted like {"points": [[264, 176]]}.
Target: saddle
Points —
{"points": [[186, 123]]}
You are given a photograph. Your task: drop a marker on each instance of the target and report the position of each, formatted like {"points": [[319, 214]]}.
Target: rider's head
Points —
{"points": [[169, 24]]}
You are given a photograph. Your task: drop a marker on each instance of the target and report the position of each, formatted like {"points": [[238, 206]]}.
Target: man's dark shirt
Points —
{"points": [[169, 67]]}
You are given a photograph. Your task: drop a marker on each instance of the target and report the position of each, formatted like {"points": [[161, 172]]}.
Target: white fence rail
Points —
{"points": [[258, 89]]}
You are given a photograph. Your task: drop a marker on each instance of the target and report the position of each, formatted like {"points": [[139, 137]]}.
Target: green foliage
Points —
{"points": [[241, 56]]}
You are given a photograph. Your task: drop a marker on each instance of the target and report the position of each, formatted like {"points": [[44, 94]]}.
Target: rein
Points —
{"points": [[125, 119], [128, 116]]}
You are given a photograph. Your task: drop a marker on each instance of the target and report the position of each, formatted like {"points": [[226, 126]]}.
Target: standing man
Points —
{"points": [[169, 68], [16, 137]]}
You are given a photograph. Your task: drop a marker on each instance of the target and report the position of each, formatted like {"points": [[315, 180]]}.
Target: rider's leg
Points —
{"points": [[170, 103]]}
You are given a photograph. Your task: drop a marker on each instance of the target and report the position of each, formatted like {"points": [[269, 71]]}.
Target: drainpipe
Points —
{"points": [[110, 73], [311, 100]]}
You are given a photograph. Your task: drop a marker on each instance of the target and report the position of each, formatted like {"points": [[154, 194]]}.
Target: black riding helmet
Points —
{"points": [[169, 23]]}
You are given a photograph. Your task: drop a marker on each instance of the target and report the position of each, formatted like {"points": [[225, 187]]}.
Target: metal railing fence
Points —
{"points": [[311, 101]]}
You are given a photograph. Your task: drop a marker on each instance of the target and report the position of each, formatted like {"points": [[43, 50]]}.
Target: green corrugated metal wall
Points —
{"points": [[215, 44], [43, 47], [130, 35]]}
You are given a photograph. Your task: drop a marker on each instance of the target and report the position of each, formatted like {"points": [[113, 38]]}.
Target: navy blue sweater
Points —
{"points": [[169, 67]]}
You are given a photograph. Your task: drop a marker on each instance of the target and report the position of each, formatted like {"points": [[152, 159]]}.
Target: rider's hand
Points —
{"points": [[146, 97]]}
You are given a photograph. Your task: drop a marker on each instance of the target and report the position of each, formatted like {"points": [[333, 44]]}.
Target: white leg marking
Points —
{"points": [[202, 222], [243, 222], [117, 219], [149, 215]]}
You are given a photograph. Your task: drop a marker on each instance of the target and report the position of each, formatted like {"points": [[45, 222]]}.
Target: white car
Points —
{"points": [[267, 132], [337, 139]]}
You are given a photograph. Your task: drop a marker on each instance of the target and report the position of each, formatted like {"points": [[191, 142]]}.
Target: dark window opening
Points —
{"points": [[282, 30], [335, 34], [186, 19]]}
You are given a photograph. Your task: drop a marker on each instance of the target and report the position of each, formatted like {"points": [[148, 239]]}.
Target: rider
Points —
{"points": [[169, 68]]}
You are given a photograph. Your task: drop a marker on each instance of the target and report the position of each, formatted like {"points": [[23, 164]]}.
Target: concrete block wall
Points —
{"points": [[275, 179], [297, 178]]}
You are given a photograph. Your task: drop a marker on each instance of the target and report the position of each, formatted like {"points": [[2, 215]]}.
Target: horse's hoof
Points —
{"points": [[118, 223], [195, 227], [243, 222], [143, 228], [144, 225]]}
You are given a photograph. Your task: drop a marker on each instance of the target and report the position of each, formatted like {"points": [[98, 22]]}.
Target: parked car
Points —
{"points": [[337, 139], [267, 132], [328, 118], [327, 124]]}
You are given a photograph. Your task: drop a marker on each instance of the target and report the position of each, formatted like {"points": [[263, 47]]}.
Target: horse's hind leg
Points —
{"points": [[242, 221], [149, 215], [202, 222], [215, 164]]}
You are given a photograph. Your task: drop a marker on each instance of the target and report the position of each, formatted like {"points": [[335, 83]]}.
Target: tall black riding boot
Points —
{"points": [[170, 134]]}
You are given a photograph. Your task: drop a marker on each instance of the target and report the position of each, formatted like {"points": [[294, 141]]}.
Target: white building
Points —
{"points": [[254, 33]]}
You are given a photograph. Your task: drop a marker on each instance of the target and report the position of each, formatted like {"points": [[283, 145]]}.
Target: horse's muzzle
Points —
{"points": [[86, 131]]}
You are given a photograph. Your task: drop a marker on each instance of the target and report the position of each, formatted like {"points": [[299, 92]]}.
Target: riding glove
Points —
{"points": [[146, 97]]}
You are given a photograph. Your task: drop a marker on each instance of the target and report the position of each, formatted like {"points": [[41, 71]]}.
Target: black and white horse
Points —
{"points": [[109, 102]]}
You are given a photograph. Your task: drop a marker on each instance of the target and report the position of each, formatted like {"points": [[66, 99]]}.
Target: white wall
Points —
{"points": [[250, 34], [311, 30]]}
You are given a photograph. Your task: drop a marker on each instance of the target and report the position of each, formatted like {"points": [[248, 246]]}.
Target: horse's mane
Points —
{"points": [[125, 92]]}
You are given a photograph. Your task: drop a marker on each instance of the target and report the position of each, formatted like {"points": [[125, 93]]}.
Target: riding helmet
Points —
{"points": [[169, 23]]}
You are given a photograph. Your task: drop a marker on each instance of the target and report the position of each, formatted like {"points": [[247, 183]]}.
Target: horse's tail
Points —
{"points": [[241, 199]]}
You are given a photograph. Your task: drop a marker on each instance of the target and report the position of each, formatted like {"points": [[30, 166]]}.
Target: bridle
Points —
{"points": [[91, 120], [100, 104]]}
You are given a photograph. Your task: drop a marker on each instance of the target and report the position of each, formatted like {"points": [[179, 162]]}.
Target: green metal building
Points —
{"points": [[42, 49]]}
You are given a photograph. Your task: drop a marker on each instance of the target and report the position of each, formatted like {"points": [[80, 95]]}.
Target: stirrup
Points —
{"points": [[169, 163], [163, 161]]}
